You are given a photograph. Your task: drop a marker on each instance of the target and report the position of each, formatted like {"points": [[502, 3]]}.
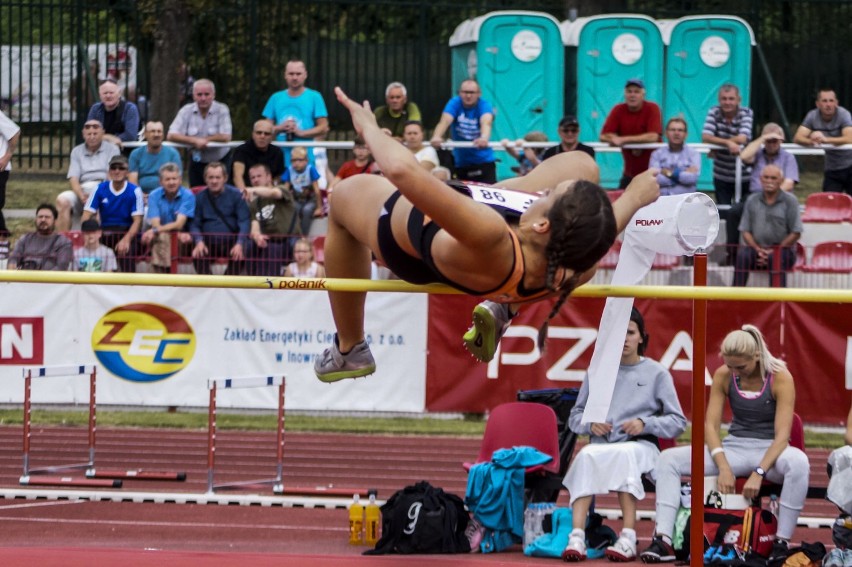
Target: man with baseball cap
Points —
{"points": [[569, 136], [119, 204], [634, 121]]}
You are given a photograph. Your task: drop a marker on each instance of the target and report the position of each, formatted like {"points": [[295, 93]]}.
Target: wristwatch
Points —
{"points": [[759, 470]]}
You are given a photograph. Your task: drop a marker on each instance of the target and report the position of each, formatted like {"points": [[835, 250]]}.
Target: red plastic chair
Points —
{"points": [[614, 194], [76, 237], [831, 257], [797, 440], [828, 207], [801, 257], [318, 244], [521, 424], [610, 259]]}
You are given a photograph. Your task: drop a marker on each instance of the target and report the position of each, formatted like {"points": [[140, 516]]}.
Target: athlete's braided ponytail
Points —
{"points": [[583, 229]]}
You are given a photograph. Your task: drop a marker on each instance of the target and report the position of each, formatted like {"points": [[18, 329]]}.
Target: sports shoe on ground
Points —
{"points": [[624, 549], [474, 534], [779, 551], [333, 365], [658, 552], [490, 321], [576, 548], [835, 557]]}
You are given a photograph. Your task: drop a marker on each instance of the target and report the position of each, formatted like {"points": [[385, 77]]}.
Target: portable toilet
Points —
{"points": [[518, 60], [702, 54], [602, 54]]}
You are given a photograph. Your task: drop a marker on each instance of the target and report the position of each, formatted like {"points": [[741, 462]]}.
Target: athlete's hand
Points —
{"points": [[644, 187], [362, 114]]}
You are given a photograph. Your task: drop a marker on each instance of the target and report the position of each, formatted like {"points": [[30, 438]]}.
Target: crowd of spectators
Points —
{"points": [[258, 199]]}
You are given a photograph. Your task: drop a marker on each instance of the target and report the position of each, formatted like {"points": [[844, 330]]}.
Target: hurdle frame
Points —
{"points": [[213, 386], [33, 476]]}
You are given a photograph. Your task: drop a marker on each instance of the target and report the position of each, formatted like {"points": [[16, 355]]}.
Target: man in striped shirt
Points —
{"points": [[728, 124]]}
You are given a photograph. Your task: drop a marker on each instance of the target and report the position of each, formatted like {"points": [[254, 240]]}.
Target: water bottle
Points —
{"points": [[196, 155], [773, 505], [372, 516], [356, 521], [686, 495], [547, 517], [529, 523]]}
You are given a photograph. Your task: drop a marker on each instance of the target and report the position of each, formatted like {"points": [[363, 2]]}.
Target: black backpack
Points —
{"points": [[423, 519]]}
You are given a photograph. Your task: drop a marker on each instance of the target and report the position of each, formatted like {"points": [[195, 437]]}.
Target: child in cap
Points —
{"points": [[93, 256]]}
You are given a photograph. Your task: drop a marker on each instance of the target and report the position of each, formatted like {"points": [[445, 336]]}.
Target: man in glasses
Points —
{"points": [[679, 165], [569, 136], [120, 207], [257, 150], [88, 167], [469, 118], [146, 161]]}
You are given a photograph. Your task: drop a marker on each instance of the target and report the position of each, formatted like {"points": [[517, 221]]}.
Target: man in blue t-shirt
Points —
{"points": [[120, 206], [469, 118], [146, 161], [299, 113], [170, 208]]}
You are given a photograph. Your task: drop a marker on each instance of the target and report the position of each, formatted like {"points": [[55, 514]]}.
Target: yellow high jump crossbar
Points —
{"points": [[398, 286]]}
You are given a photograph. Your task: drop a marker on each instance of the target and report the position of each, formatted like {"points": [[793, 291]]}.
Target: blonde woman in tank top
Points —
{"points": [[304, 266]]}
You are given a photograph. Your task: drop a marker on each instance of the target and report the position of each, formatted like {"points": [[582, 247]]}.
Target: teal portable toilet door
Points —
{"points": [[520, 67], [611, 49], [704, 53]]}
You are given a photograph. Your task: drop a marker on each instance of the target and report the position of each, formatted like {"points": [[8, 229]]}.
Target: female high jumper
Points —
{"points": [[427, 231]]}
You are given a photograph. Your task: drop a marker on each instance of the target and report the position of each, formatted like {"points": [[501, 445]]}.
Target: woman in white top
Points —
{"points": [[304, 266], [425, 154]]}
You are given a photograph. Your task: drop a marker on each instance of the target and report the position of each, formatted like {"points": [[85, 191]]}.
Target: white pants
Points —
{"points": [[792, 468], [600, 468]]}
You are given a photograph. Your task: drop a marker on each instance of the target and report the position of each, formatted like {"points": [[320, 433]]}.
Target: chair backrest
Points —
{"points": [[76, 237], [610, 259], [834, 256], [801, 256], [517, 424], [797, 433], [828, 207], [318, 244]]}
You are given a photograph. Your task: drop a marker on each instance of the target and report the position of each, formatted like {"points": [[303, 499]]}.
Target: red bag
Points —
{"points": [[752, 529]]}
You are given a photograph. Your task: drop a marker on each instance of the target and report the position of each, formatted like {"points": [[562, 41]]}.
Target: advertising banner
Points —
{"points": [[158, 346]]}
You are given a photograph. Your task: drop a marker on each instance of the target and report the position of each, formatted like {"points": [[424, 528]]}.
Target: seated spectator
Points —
{"points": [[146, 161], [220, 226], [94, 256], [304, 265], [120, 118], [257, 150], [644, 408], [273, 223], [569, 136], [528, 158], [761, 393], [442, 173], [426, 156], [362, 163], [679, 165], [120, 206], [766, 150], [301, 178], [840, 493], [88, 167], [397, 112], [43, 249], [771, 224], [170, 208]]}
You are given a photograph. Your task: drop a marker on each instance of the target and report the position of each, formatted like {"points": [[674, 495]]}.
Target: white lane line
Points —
{"points": [[39, 504], [205, 525]]}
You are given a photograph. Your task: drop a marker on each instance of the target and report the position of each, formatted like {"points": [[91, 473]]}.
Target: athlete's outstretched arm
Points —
{"points": [[643, 190], [468, 222]]}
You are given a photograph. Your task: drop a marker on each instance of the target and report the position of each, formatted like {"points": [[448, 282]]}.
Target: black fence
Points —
{"points": [[54, 51]]}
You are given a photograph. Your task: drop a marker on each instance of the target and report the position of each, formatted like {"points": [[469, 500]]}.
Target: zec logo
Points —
{"points": [[143, 342]]}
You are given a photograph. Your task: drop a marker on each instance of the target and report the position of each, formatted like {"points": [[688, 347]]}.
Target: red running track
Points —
{"points": [[76, 532]]}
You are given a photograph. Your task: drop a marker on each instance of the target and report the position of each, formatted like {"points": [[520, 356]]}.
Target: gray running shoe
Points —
{"points": [[333, 366], [490, 321]]}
